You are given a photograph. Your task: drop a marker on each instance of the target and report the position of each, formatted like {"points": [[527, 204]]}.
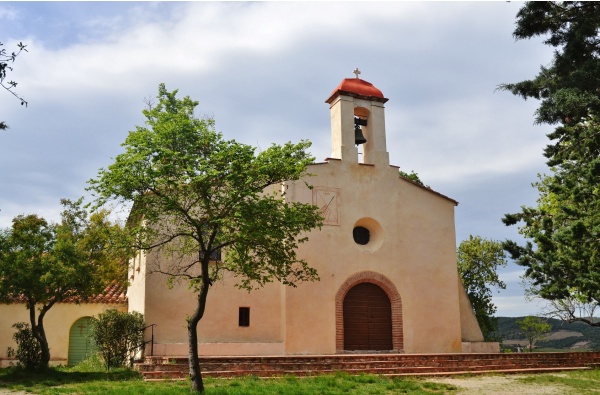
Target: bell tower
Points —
{"points": [[357, 114]]}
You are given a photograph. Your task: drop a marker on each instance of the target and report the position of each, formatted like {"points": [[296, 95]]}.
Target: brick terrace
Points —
{"points": [[176, 367]]}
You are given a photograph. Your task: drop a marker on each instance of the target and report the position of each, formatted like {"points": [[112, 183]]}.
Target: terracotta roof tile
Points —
{"points": [[114, 293], [356, 87]]}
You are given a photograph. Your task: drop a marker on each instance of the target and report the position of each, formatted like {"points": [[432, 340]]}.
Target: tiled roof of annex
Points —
{"points": [[114, 293]]}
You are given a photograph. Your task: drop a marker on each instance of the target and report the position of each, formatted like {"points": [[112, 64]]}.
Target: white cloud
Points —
{"points": [[8, 13], [264, 71]]}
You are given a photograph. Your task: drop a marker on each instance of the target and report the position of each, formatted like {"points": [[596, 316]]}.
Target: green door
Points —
{"points": [[81, 345]]}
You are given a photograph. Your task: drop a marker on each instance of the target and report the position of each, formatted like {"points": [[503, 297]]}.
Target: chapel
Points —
{"points": [[386, 258]]}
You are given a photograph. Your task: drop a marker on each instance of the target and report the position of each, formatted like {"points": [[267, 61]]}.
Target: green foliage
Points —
{"points": [[199, 193], [533, 329], [93, 363], [414, 177], [119, 336], [569, 87], [43, 264], [563, 254], [195, 194], [29, 351], [478, 263]]}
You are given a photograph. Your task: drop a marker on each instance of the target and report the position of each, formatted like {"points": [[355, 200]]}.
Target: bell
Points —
{"points": [[358, 136]]}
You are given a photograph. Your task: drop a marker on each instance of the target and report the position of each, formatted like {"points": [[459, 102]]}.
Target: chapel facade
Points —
{"points": [[386, 258]]}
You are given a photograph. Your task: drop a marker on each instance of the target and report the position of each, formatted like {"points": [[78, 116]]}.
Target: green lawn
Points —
{"points": [[124, 382]]}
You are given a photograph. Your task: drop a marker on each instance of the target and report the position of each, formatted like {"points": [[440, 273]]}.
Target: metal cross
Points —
{"points": [[357, 72]]}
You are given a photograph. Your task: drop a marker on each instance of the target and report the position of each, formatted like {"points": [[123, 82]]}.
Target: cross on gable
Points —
{"points": [[356, 72]]}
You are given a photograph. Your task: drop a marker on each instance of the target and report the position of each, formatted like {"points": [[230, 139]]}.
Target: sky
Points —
{"points": [[263, 70]]}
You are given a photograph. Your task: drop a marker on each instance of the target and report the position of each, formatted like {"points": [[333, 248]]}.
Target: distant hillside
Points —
{"points": [[568, 337]]}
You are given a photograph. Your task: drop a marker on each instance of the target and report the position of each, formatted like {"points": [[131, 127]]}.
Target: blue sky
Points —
{"points": [[263, 71]]}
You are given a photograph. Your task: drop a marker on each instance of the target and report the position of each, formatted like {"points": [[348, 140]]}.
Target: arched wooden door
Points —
{"points": [[81, 345], [367, 318]]}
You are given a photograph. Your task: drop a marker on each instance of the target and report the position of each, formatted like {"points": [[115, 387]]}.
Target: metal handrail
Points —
{"points": [[151, 341]]}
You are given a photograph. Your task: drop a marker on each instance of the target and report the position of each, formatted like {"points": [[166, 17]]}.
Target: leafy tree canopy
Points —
{"points": [[478, 263], [413, 177], [43, 264], [196, 194], [562, 254], [533, 328]]}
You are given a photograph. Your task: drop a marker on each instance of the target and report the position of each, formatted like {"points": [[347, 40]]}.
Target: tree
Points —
{"points": [[562, 254], [119, 336], [533, 328], [478, 263], [414, 177], [43, 264], [572, 308], [195, 194], [5, 61]]}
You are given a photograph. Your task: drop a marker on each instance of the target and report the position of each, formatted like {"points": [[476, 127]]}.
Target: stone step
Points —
{"points": [[161, 376], [174, 367]]}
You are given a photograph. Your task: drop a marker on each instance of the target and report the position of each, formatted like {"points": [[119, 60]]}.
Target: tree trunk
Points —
{"points": [[194, 363], [197, 385], [37, 329]]}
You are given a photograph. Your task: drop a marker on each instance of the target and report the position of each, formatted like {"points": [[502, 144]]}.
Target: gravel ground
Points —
{"points": [[499, 385]]}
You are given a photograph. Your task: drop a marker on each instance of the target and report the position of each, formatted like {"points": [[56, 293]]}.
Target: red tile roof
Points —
{"points": [[356, 87], [114, 293]]}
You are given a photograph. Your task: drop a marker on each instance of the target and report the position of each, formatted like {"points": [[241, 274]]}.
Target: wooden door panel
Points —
{"points": [[367, 318]]}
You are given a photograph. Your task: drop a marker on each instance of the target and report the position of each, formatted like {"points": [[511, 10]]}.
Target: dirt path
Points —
{"points": [[499, 385]]}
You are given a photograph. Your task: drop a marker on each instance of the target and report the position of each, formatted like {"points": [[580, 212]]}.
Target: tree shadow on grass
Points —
{"points": [[19, 378]]}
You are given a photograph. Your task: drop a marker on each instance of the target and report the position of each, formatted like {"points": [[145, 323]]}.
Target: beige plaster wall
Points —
{"points": [[412, 250], [137, 284], [417, 253], [57, 323], [218, 331], [471, 332]]}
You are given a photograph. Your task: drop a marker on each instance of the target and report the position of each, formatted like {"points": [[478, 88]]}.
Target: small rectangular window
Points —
{"points": [[244, 317]]}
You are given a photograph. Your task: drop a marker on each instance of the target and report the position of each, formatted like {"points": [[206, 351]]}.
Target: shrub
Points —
{"points": [[29, 351], [118, 336]]}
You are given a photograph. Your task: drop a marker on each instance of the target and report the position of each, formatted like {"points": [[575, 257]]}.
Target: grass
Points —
{"points": [[93, 380], [62, 380]]}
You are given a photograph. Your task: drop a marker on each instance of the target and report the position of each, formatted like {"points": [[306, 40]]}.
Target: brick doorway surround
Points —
{"points": [[392, 293]]}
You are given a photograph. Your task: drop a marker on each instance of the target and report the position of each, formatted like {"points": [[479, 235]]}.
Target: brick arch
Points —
{"points": [[389, 288]]}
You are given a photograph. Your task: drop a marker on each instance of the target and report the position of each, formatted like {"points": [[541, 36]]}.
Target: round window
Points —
{"points": [[361, 235], [367, 234]]}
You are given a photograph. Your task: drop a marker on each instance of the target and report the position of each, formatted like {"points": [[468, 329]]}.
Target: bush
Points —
{"points": [[90, 364], [118, 336], [29, 351]]}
